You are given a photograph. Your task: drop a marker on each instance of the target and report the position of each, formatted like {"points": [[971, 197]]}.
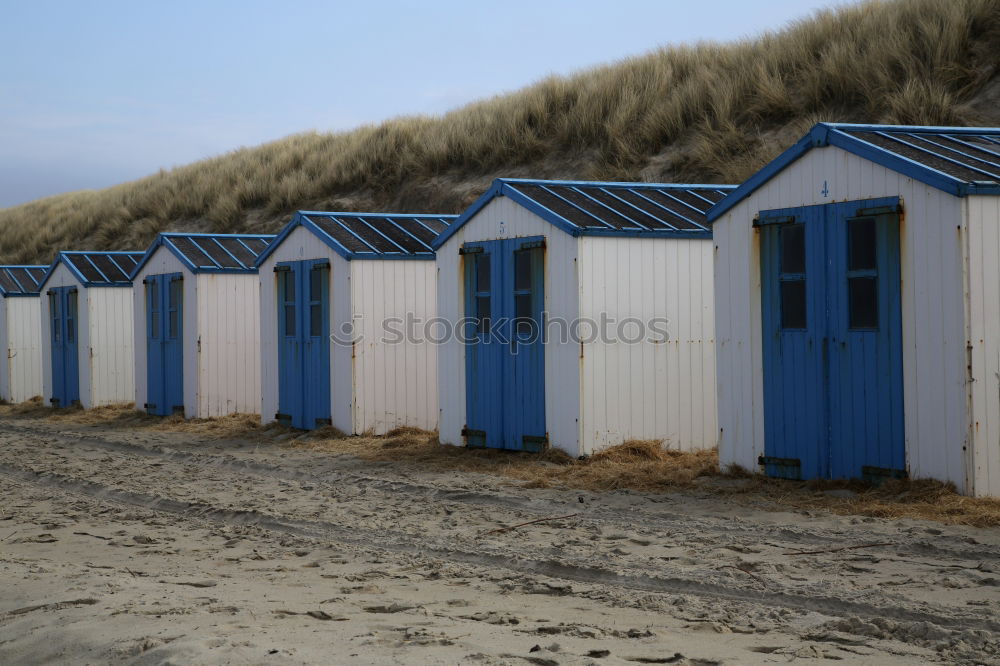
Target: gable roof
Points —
{"points": [[210, 253], [21, 280], [961, 161], [584, 208], [97, 269], [369, 235]]}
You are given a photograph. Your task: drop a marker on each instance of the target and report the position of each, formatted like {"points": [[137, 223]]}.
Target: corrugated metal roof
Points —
{"points": [[961, 161], [371, 235], [376, 233], [21, 280], [968, 156], [211, 253], [601, 208], [99, 269], [103, 267]]}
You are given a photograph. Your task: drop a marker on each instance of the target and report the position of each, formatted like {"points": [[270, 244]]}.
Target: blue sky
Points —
{"points": [[100, 92]]}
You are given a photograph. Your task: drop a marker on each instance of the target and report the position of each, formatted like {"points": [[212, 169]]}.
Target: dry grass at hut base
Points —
{"points": [[638, 465]]}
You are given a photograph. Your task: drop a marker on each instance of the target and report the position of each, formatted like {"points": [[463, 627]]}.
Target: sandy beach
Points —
{"points": [[143, 546]]}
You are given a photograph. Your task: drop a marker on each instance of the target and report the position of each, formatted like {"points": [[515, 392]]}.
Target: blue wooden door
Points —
{"points": [[303, 289], [830, 294], [63, 334], [866, 347], [794, 323], [505, 355], [164, 344]]}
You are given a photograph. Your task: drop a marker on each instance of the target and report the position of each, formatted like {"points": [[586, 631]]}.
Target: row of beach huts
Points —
{"points": [[835, 316]]}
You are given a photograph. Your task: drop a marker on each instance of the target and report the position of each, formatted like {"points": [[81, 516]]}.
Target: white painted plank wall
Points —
{"points": [[22, 327], [228, 312], [649, 390], [934, 374], [5, 350], [562, 370], [395, 382], [109, 321], [984, 342]]}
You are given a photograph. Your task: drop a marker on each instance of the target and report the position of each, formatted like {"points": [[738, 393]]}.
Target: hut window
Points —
{"points": [[861, 244], [316, 276], [154, 310], [792, 239], [71, 317], [793, 249], [56, 319], [173, 306], [862, 273], [483, 304], [863, 301], [793, 304]]}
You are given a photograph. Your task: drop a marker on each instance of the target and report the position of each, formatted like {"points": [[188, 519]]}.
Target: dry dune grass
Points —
{"points": [[707, 112], [637, 465]]}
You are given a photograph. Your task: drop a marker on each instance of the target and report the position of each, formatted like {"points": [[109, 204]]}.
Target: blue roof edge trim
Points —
{"points": [[300, 219], [830, 134], [503, 187], [60, 258], [163, 236]]}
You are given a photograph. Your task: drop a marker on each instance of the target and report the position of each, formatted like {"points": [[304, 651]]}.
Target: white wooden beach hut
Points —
{"points": [[86, 323], [20, 332], [858, 308], [617, 278], [335, 292], [196, 304]]}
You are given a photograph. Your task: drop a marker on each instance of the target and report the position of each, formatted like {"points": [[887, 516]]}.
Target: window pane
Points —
{"points": [[173, 324], [70, 329], [316, 320], [289, 278], [483, 312], [54, 305], [523, 314], [793, 304], [154, 295], [289, 320], [154, 325], [793, 248], [316, 284], [862, 295], [175, 293], [482, 272], [522, 270], [861, 245]]}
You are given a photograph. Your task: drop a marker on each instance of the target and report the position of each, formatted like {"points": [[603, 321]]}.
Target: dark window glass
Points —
{"points": [[316, 284], [483, 312], [289, 320], [56, 321], [862, 295], [289, 279], [154, 296], [175, 293], [172, 323], [316, 320], [522, 270], [861, 245], [523, 314], [793, 248], [70, 329], [482, 272], [793, 304], [154, 325]]}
